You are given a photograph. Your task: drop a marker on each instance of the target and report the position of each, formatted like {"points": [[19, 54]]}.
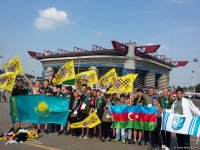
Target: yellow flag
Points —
{"points": [[124, 84], [87, 77], [91, 121], [14, 65], [7, 80], [109, 77], [112, 89], [32, 134], [66, 72]]}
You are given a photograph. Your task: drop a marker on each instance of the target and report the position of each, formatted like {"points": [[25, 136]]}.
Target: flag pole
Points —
{"points": [[78, 65], [197, 141]]}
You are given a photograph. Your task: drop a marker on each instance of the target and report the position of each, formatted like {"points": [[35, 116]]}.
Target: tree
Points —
{"points": [[197, 88]]}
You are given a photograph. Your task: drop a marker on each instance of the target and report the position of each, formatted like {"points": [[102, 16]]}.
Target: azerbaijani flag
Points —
{"points": [[136, 117]]}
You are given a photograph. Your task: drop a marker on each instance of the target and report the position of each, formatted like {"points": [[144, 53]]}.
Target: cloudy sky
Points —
{"points": [[52, 24]]}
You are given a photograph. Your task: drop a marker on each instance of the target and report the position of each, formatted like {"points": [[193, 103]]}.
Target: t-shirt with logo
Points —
{"points": [[87, 101], [165, 103]]}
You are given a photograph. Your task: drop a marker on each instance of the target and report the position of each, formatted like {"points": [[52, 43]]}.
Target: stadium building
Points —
{"points": [[153, 69]]}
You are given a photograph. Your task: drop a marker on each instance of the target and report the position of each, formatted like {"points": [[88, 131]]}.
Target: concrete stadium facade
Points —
{"points": [[154, 70]]}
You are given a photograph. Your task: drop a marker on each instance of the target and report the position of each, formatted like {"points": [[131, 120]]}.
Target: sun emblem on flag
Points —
{"points": [[42, 109]]}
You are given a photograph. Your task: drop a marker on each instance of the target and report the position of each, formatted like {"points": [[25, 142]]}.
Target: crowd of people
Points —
{"points": [[87, 100]]}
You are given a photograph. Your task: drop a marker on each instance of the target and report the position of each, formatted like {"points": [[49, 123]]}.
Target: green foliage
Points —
{"points": [[197, 88]]}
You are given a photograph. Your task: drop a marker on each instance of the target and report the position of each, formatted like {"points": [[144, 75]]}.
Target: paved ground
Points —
{"points": [[54, 142]]}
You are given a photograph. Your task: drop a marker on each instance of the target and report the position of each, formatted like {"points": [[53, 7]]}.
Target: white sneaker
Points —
{"points": [[163, 146], [166, 148], [81, 136], [85, 137]]}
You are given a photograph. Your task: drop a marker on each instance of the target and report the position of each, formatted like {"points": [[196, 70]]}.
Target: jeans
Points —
{"points": [[129, 133], [123, 134]]}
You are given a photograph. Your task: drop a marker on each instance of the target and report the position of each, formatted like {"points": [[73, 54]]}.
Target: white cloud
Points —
{"points": [[97, 33], [51, 18]]}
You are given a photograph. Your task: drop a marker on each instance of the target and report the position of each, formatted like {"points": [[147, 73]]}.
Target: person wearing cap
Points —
{"points": [[156, 140]]}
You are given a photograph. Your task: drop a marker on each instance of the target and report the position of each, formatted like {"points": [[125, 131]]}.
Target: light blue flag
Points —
{"points": [[181, 124], [39, 109]]}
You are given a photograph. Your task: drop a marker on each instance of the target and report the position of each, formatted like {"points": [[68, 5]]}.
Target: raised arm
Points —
{"points": [[27, 79]]}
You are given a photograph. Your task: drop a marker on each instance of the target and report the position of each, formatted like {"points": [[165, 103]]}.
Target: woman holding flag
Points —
{"points": [[74, 105], [139, 100], [36, 88]]}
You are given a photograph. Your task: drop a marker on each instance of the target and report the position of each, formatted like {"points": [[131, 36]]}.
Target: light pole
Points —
{"points": [[195, 61], [1, 68], [193, 72]]}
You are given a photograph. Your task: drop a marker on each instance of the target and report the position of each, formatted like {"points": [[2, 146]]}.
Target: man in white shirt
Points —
{"points": [[184, 106]]}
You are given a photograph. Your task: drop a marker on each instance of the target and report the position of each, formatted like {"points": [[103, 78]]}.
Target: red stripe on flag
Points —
{"points": [[135, 117]]}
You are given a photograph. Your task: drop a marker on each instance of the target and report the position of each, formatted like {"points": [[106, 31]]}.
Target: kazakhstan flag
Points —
{"points": [[39, 109]]}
